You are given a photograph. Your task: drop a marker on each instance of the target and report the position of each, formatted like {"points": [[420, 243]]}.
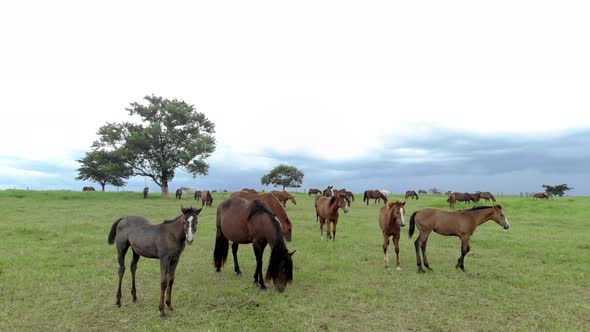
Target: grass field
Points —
{"points": [[58, 273]]}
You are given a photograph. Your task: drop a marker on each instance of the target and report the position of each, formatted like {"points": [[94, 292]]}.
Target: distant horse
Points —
{"points": [[252, 191], [326, 210], [463, 197], [374, 194], [242, 222], [540, 195], [422, 192], [165, 241], [313, 191], [179, 193], [274, 206], [283, 197], [146, 190], [197, 194], [486, 195], [348, 194], [461, 223], [451, 199], [88, 189], [411, 194], [328, 192], [206, 198], [391, 218]]}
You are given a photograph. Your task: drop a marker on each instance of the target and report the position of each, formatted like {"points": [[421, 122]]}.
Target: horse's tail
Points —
{"points": [[113, 232], [412, 223], [365, 196], [221, 245]]}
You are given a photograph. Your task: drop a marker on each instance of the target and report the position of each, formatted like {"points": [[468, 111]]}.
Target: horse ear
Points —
{"points": [[183, 209], [404, 203], [199, 210], [292, 252]]}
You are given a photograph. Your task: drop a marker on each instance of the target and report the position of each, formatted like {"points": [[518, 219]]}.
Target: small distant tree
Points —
{"points": [[434, 191], [104, 167], [558, 190], [285, 176]]}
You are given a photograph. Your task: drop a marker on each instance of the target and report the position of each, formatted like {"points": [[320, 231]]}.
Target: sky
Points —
{"points": [[457, 95]]}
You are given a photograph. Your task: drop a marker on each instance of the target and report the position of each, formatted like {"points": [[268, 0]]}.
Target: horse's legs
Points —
{"points": [[121, 250], [133, 269], [328, 234], [396, 244], [423, 247], [386, 250], [322, 221], [170, 278], [334, 231], [464, 250], [234, 251], [258, 279], [163, 284], [418, 244]]}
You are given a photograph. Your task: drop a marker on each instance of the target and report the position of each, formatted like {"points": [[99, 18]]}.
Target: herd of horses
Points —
{"points": [[262, 220]]}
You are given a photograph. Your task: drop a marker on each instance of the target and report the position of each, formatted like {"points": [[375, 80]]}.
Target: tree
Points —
{"points": [[558, 190], [104, 167], [434, 191], [283, 175], [171, 135]]}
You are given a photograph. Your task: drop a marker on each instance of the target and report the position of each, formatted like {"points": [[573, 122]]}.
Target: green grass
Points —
{"points": [[58, 273]]}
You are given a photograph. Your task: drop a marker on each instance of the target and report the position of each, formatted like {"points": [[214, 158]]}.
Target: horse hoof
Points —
{"points": [[421, 271], [135, 300], [263, 288], [399, 268], [118, 305], [163, 316], [238, 274], [171, 308]]}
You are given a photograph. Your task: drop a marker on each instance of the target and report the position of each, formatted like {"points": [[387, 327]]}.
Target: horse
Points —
{"points": [[242, 222], [274, 206], [88, 189], [422, 192], [252, 191], [283, 197], [146, 190], [206, 198], [463, 197], [411, 194], [313, 191], [540, 195], [374, 194], [197, 194], [179, 193], [391, 217], [461, 223], [328, 192], [165, 241], [348, 194], [485, 195], [326, 210], [451, 199]]}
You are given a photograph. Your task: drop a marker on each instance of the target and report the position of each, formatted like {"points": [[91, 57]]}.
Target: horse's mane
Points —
{"points": [[170, 221], [278, 253], [257, 207], [483, 207], [333, 199]]}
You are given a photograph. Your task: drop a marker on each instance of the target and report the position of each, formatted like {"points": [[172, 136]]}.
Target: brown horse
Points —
{"points": [[197, 194], [146, 190], [422, 192], [326, 210], [313, 191], [374, 194], [252, 191], [328, 192], [206, 198], [391, 218], [540, 195], [274, 206], [348, 194], [486, 195], [411, 194], [452, 199], [283, 197], [464, 197], [461, 223], [165, 241], [88, 189], [242, 222], [179, 193]]}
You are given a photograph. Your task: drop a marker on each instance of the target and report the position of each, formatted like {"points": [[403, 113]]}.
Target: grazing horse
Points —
{"points": [[328, 192], [179, 193], [326, 210], [463, 197], [391, 218], [206, 198], [197, 194], [461, 223], [374, 194], [248, 190], [313, 191], [422, 192], [283, 197], [411, 194], [540, 195], [485, 195], [88, 189], [274, 206], [146, 190], [242, 222], [165, 241]]}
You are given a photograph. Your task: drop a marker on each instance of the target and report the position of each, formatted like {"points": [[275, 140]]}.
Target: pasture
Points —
{"points": [[58, 273]]}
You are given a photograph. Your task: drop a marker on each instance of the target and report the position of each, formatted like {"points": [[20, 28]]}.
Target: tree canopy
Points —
{"points": [[558, 190], [283, 175], [104, 167], [171, 135]]}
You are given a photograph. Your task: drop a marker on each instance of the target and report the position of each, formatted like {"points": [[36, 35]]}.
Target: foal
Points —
{"points": [[326, 209], [391, 217]]}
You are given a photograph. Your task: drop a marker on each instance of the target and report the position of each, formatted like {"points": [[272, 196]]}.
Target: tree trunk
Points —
{"points": [[283, 187], [103, 184], [164, 188]]}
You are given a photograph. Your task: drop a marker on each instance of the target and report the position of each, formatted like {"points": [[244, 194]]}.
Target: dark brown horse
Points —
{"points": [[541, 195], [328, 192], [422, 192], [485, 195], [374, 194], [326, 210], [197, 194], [274, 206], [464, 197], [206, 198], [313, 191], [461, 223], [411, 194], [88, 189], [391, 218], [165, 241], [146, 191], [179, 193], [242, 222]]}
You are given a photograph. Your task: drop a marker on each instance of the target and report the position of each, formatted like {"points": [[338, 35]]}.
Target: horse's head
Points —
{"points": [[343, 202], [190, 220], [398, 212], [280, 269], [499, 217]]}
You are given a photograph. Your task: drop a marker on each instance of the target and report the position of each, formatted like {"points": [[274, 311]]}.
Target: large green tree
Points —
{"points": [[558, 190], [283, 175], [104, 167], [170, 135]]}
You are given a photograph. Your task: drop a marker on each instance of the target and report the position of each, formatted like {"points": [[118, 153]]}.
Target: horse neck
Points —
{"points": [[176, 227], [481, 216], [333, 207]]}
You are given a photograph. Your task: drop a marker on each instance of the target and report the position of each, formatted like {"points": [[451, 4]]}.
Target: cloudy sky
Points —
{"points": [[459, 95]]}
